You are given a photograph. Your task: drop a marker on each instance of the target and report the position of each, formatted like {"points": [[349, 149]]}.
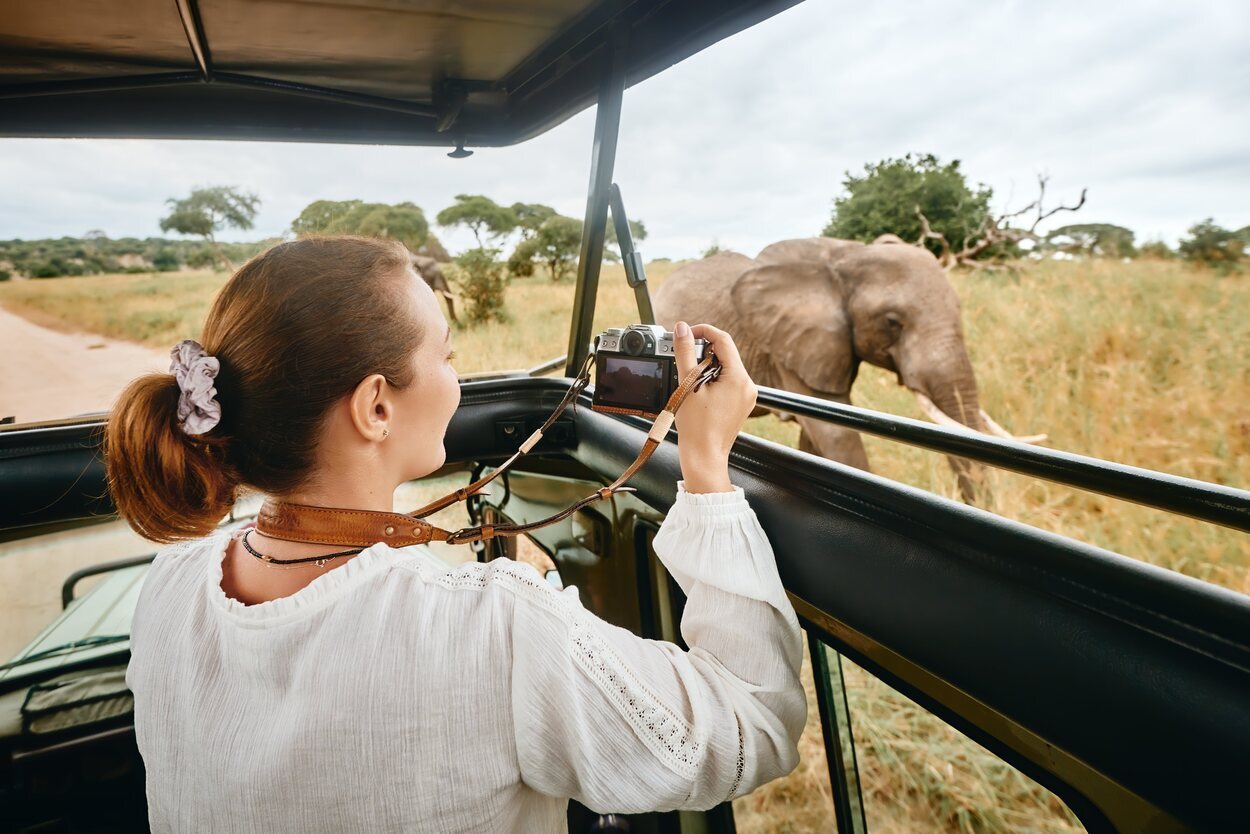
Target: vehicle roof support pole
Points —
{"points": [[594, 228]]}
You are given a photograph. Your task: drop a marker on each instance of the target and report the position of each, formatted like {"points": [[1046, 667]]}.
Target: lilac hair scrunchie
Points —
{"points": [[195, 370]]}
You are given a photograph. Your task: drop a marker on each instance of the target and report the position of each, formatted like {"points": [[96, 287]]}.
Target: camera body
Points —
{"points": [[636, 369]]}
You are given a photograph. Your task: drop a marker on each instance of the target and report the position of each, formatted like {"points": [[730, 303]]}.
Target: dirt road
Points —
{"points": [[47, 374]]}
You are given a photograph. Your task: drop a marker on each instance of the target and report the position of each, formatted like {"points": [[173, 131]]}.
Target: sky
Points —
{"points": [[1146, 104]]}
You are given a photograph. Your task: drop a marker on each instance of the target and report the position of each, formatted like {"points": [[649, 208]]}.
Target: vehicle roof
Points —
{"points": [[427, 72]]}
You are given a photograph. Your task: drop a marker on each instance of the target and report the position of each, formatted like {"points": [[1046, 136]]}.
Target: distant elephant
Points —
{"points": [[432, 272], [806, 312]]}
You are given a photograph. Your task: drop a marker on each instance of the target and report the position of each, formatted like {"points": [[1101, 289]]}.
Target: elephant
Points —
{"points": [[432, 272], [806, 312]]}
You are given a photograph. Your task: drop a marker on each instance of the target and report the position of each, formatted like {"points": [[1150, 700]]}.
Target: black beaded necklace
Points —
{"points": [[320, 560]]}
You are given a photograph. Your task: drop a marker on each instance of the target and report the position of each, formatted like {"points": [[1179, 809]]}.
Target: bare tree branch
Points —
{"points": [[927, 233], [998, 229]]}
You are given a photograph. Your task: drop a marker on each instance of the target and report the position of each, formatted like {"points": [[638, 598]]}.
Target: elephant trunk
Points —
{"points": [[943, 375], [946, 388], [947, 393]]}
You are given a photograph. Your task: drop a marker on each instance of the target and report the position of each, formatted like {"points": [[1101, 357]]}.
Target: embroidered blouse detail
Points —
{"points": [[467, 698], [665, 732]]}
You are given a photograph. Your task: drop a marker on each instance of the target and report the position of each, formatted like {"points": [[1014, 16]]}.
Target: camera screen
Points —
{"points": [[638, 383]]}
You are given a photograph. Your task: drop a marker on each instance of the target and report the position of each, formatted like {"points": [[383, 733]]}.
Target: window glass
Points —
{"points": [[918, 774]]}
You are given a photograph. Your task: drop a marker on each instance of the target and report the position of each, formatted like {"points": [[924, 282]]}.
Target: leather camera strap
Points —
{"points": [[362, 528]]}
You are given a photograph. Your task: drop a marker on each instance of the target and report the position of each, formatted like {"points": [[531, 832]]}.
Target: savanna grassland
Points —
{"points": [[1145, 362]]}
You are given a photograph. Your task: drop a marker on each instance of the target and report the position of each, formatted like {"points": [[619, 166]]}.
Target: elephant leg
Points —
{"points": [[819, 437]]}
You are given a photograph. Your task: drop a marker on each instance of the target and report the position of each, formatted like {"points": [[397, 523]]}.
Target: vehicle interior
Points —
{"points": [[1120, 687]]}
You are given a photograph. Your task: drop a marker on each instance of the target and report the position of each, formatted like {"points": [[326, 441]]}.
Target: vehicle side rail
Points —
{"points": [[1216, 503], [71, 581]]}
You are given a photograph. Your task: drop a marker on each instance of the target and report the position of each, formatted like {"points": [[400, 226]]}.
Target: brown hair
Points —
{"points": [[295, 329]]}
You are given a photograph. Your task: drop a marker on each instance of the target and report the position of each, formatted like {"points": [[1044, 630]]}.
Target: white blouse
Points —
{"points": [[395, 693]]}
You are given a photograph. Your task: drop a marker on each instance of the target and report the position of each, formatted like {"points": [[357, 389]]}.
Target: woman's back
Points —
{"points": [[374, 699]]}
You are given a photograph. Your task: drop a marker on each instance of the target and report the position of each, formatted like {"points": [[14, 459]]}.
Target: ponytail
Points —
{"points": [[167, 484]]}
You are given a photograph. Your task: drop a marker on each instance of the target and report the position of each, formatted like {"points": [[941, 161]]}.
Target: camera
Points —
{"points": [[636, 369]]}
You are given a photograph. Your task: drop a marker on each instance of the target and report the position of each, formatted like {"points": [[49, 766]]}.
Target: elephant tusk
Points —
{"points": [[1002, 432], [936, 414], [940, 417]]}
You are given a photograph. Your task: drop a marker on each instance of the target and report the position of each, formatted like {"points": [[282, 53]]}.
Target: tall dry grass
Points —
{"points": [[1146, 363]]}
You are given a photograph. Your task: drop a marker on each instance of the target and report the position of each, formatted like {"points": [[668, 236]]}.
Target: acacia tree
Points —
{"points": [[318, 216], [480, 214], [554, 243], [1096, 239], [530, 216], [208, 211], [636, 230], [404, 222]]}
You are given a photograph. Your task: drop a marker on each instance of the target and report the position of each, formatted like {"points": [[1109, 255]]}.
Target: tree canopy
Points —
{"points": [[530, 216], [480, 214], [210, 210], [884, 199], [1096, 239], [404, 222], [317, 217]]}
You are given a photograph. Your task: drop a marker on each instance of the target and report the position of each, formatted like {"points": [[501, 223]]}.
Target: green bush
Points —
{"points": [[1213, 246], [54, 257], [201, 257], [481, 281], [45, 269], [5, 275], [166, 260], [521, 263], [885, 197]]}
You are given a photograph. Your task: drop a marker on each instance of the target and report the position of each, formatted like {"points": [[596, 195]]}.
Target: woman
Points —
{"points": [[382, 690]]}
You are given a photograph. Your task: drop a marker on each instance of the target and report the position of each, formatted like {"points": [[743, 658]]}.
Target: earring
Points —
{"points": [[385, 432]]}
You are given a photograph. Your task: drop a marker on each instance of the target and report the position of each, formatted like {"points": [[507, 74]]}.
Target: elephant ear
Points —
{"points": [[793, 312]]}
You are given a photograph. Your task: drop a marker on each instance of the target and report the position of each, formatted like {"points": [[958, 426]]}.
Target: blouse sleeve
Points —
{"points": [[625, 724]]}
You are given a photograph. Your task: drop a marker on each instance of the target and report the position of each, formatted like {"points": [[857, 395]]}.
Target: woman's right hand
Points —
{"points": [[709, 419]]}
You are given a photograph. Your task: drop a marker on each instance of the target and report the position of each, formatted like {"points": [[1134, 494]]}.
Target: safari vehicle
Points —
{"points": [[1122, 688]]}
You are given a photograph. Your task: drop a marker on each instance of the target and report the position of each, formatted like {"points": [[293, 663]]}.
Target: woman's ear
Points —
{"points": [[370, 407]]}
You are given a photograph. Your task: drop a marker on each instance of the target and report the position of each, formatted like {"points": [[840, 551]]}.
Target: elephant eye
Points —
{"points": [[893, 321]]}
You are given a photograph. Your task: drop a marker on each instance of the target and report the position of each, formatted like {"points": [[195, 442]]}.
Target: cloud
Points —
{"points": [[748, 141]]}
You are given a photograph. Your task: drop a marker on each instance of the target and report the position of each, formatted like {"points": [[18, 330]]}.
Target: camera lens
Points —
{"points": [[633, 343]]}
